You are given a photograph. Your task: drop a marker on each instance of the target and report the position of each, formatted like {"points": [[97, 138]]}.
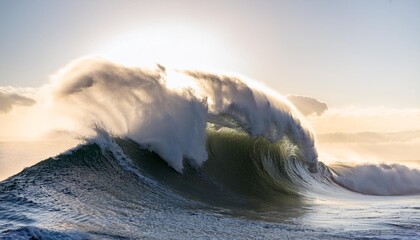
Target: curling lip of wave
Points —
{"points": [[172, 123]]}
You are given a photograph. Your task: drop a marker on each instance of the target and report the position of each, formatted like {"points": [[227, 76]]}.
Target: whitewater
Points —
{"points": [[175, 154]]}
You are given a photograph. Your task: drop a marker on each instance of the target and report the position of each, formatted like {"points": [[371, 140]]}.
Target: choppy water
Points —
{"points": [[119, 190]]}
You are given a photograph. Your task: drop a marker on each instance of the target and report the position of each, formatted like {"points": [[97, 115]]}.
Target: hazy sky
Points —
{"points": [[361, 53]]}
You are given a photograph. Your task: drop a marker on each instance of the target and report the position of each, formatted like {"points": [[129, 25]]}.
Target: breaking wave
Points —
{"points": [[168, 111], [242, 134]]}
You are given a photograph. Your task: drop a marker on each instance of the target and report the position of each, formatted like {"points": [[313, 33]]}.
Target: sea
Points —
{"points": [[225, 160]]}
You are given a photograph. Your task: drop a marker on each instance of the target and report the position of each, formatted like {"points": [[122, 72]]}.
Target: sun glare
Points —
{"points": [[173, 47], [176, 80]]}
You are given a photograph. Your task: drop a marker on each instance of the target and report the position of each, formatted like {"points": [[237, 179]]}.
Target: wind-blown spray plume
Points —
{"points": [[141, 105]]}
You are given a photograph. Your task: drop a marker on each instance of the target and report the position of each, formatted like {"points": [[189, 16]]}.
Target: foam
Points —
{"points": [[380, 179]]}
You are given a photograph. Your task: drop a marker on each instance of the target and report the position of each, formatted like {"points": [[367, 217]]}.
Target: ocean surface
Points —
{"points": [[225, 161], [113, 188]]}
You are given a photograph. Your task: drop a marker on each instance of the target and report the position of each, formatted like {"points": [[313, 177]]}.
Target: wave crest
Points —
{"points": [[140, 104]]}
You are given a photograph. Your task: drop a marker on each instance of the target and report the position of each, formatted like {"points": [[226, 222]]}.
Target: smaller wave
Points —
{"points": [[379, 179]]}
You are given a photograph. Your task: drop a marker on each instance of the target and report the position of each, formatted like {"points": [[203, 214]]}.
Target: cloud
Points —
{"points": [[378, 147], [10, 99], [380, 111], [307, 105], [363, 119], [369, 137]]}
